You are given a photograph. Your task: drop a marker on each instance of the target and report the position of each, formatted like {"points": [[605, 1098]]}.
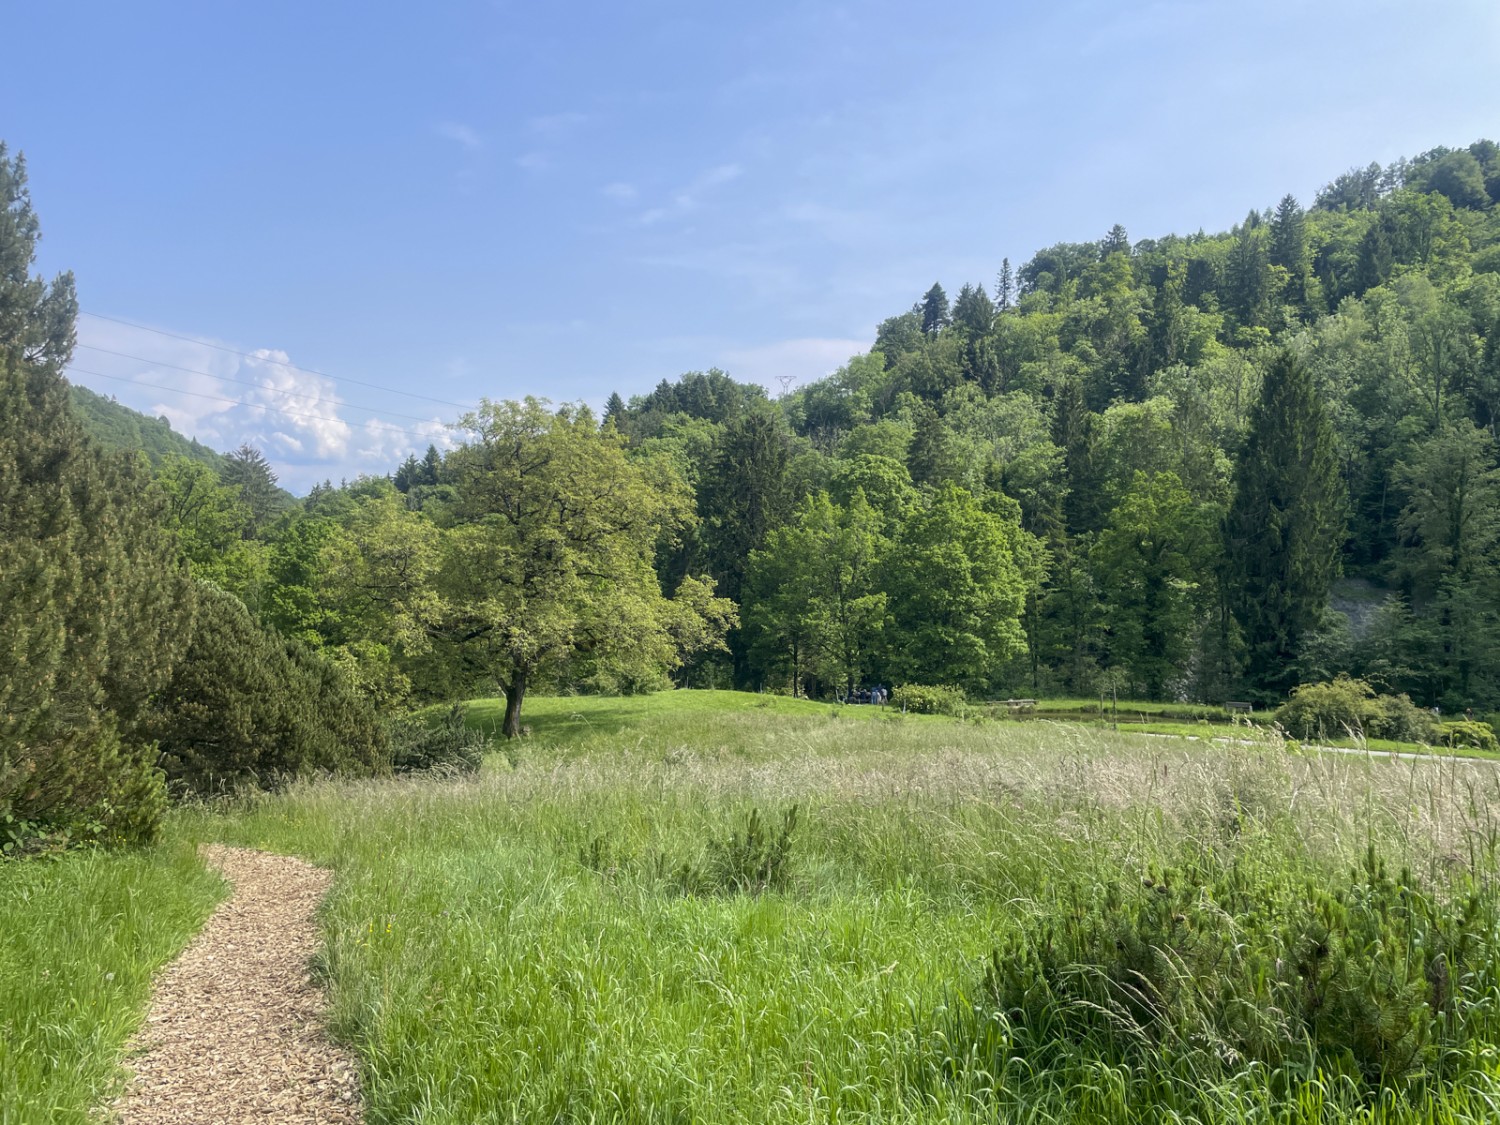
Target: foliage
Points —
{"points": [[246, 707], [1349, 708], [443, 743], [1285, 527], [96, 607], [1476, 735], [930, 699], [754, 859], [1214, 968]]}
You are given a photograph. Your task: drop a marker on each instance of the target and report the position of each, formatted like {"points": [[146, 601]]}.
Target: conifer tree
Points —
{"points": [[247, 471], [1285, 528], [934, 309], [1005, 286], [94, 601]]}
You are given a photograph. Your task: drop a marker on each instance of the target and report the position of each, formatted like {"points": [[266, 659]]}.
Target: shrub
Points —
{"points": [[1473, 734], [1397, 717], [245, 706], [1348, 707], [922, 699], [756, 859], [1204, 972], [1334, 709], [447, 744]]}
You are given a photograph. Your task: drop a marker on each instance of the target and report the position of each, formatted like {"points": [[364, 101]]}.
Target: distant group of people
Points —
{"points": [[876, 694]]}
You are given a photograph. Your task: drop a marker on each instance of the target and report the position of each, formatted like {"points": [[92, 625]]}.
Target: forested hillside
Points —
{"points": [[113, 426], [1203, 466], [1143, 465]]}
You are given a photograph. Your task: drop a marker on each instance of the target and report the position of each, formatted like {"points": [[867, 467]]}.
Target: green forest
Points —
{"points": [[1199, 467]]}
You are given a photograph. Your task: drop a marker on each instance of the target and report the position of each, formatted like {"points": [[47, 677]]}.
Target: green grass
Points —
{"points": [[525, 946], [80, 936], [564, 937]]}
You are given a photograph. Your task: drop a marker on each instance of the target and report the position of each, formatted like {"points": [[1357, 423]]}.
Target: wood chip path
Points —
{"points": [[236, 1033]]}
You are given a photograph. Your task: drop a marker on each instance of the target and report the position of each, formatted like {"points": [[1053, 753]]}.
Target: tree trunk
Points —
{"points": [[515, 692]]}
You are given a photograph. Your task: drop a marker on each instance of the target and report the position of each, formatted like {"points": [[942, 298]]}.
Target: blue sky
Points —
{"points": [[466, 199]]}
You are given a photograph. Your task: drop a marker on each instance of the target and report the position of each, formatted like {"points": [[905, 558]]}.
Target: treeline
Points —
{"points": [[1221, 465], [1208, 467]]}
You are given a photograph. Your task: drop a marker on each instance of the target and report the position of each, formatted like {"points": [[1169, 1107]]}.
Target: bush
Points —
{"points": [[1473, 734], [447, 744], [1335, 709], [1205, 972], [1346, 707], [757, 859], [922, 699], [1396, 717], [246, 706]]}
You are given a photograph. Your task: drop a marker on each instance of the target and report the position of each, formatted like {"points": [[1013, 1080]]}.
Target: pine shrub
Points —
{"points": [[447, 745], [1204, 972], [247, 707]]}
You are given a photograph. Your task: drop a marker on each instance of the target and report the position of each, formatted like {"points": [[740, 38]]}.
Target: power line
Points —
{"points": [[258, 386], [239, 402], [294, 367]]}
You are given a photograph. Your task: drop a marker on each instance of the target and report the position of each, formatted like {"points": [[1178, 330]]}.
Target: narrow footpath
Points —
{"points": [[236, 1030]]}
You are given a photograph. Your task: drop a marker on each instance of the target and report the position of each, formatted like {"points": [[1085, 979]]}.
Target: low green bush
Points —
{"points": [[1349, 708], [927, 699], [1472, 734], [445, 745], [1207, 970]]}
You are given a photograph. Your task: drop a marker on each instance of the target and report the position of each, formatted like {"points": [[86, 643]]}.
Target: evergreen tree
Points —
{"points": [[1005, 286], [1249, 273], [247, 471], [616, 411], [973, 312], [94, 601], [934, 309], [245, 706], [1285, 530], [36, 319], [1289, 235], [1115, 242]]}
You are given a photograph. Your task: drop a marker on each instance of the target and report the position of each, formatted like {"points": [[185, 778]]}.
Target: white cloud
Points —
{"points": [[465, 135], [534, 161], [260, 397], [690, 197], [620, 192]]}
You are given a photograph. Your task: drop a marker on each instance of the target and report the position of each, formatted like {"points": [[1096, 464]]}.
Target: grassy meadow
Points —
{"points": [[711, 907]]}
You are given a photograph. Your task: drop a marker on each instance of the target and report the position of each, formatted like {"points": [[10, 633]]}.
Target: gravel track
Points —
{"points": [[235, 1032]]}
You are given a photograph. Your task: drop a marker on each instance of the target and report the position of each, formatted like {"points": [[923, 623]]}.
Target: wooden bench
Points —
{"points": [[1017, 706], [1241, 708]]}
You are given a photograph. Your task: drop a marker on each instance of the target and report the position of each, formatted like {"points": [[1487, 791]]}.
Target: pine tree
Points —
{"points": [[973, 312], [934, 309], [36, 319], [1285, 530], [1005, 286], [1115, 242], [250, 474], [94, 601], [246, 706]]}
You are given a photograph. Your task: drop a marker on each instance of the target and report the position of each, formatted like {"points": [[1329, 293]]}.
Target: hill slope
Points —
{"points": [[118, 427]]}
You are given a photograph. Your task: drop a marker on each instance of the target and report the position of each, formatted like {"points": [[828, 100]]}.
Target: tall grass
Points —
{"points": [[80, 936], [557, 938]]}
